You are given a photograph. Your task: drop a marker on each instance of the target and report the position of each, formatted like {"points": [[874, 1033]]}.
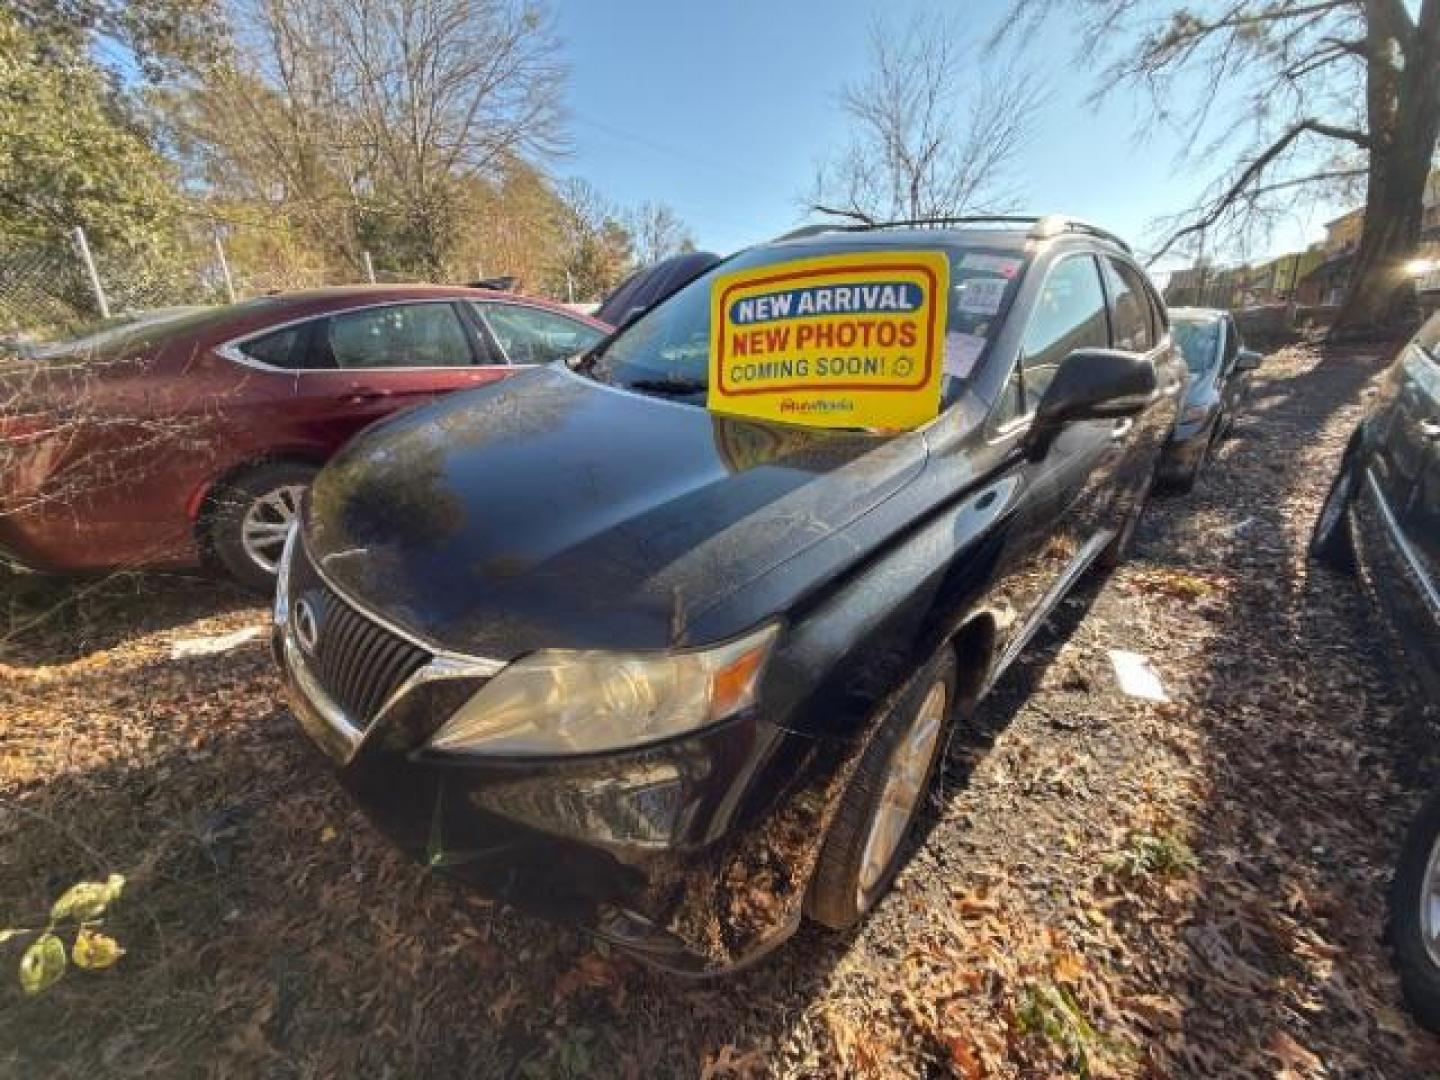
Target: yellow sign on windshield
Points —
{"points": [[851, 341]]}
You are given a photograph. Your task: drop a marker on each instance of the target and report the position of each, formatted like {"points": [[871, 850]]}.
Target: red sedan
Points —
{"points": [[188, 438]]}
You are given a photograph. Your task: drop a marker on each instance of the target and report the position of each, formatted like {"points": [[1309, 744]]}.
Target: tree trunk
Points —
{"points": [[1404, 120]]}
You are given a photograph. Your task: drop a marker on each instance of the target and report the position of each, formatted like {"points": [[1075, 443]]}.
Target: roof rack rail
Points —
{"points": [[1055, 224], [808, 230], [1040, 227]]}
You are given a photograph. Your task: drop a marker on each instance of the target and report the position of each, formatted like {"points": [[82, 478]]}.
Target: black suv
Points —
{"points": [[1381, 522], [679, 677], [1382, 514]]}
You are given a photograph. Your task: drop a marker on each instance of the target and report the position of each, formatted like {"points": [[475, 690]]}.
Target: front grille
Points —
{"points": [[358, 662]]}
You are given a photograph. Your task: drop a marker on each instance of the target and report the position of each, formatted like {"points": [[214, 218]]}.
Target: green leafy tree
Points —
{"points": [[158, 37], [71, 154]]}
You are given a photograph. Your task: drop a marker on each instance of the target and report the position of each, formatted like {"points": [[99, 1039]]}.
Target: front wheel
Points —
{"points": [[865, 847], [251, 518], [1414, 929], [1118, 550]]}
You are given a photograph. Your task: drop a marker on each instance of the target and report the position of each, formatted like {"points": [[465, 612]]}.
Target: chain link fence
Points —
{"points": [[42, 289], [53, 291]]}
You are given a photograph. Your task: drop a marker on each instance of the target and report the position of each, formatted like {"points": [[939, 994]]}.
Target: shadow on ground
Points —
{"points": [[47, 619], [1315, 756]]}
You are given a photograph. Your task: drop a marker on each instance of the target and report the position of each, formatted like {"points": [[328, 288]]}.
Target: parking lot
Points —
{"points": [[1105, 884]]}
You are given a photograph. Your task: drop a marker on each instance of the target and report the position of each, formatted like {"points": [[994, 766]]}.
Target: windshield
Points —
{"points": [[667, 350], [1199, 342]]}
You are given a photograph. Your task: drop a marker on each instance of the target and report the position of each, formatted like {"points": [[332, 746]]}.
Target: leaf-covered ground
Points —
{"points": [[1103, 885]]}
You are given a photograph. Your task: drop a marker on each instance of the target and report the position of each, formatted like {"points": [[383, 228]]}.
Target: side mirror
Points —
{"points": [[1249, 360], [1091, 384]]}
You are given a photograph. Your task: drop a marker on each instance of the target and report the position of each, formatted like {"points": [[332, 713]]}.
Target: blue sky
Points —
{"points": [[722, 110]]}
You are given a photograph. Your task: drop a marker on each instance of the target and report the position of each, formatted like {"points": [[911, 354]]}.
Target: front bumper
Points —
{"points": [[1185, 450], [694, 853]]}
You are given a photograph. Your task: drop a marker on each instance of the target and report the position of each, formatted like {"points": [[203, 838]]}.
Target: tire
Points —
{"points": [[1118, 550], [262, 501], [1414, 903], [851, 876], [1185, 483], [1330, 542]]}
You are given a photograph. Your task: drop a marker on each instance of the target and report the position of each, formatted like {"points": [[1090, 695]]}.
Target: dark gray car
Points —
{"points": [[1219, 366]]}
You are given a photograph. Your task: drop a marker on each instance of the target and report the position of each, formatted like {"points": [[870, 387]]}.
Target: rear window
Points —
{"points": [[275, 350], [667, 350]]}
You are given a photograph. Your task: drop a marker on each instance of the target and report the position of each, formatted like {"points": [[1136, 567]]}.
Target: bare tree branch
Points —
{"points": [[915, 152]]}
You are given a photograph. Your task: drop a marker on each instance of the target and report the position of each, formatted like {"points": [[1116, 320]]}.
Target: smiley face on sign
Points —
{"points": [[852, 341]]}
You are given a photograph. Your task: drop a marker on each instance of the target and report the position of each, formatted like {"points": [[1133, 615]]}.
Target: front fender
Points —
{"points": [[854, 646]]}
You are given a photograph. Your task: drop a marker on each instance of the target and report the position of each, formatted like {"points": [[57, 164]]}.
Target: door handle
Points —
{"points": [[1429, 429], [360, 395], [1121, 429]]}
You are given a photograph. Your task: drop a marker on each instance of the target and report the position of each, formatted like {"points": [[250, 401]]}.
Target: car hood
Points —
{"points": [[550, 511]]}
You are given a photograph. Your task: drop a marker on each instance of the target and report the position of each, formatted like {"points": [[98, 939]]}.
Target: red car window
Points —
{"points": [[531, 335], [400, 335], [277, 349]]}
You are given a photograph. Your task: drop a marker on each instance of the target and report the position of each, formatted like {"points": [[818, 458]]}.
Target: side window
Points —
{"points": [[1068, 315], [278, 349], [1131, 307], [1158, 316], [535, 336], [400, 335]]}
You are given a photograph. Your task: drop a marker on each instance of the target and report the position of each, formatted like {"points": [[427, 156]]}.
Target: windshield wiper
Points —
{"points": [[676, 387]]}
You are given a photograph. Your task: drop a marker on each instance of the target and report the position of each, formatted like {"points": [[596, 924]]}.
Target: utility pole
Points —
{"points": [[224, 270], [89, 261], [1200, 262], [369, 267]]}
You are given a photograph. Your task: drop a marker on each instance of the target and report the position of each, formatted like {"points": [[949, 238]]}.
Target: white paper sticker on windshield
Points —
{"points": [[982, 296], [995, 264], [961, 352]]}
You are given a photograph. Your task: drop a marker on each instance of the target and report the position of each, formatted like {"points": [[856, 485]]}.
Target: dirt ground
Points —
{"points": [[1105, 886]]}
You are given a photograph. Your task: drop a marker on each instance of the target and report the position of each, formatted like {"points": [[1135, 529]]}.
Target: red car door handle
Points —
{"points": [[359, 395]]}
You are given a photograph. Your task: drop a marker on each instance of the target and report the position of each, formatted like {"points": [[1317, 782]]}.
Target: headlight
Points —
{"points": [[559, 702], [1193, 414]]}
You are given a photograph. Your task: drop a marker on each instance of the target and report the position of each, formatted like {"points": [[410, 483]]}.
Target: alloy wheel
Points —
{"points": [[904, 787], [1430, 905], [267, 522]]}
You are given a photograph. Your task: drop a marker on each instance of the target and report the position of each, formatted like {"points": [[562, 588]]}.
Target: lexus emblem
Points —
{"points": [[307, 626]]}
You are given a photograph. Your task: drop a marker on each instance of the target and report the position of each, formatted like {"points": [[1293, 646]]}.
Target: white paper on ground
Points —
{"points": [[212, 646], [1137, 676]]}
